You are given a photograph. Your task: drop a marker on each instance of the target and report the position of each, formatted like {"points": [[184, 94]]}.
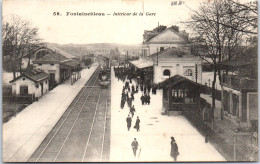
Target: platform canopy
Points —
{"points": [[141, 64], [70, 64]]}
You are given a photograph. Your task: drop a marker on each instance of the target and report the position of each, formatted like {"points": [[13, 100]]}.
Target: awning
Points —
{"points": [[141, 64], [70, 63]]}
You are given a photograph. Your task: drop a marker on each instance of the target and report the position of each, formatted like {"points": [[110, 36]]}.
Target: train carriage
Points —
{"points": [[104, 78]]}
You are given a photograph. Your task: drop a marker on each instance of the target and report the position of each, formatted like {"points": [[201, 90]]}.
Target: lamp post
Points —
{"points": [[157, 56], [206, 119]]}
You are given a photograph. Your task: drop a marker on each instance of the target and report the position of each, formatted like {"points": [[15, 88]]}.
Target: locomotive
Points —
{"points": [[104, 78]]}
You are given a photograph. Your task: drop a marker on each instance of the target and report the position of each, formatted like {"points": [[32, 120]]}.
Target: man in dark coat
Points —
{"points": [[134, 146], [137, 124], [141, 87], [148, 88], [128, 121], [136, 88], [123, 93], [132, 96], [174, 149], [126, 84], [133, 88], [153, 90], [148, 99], [129, 102], [132, 110], [142, 99], [122, 103]]}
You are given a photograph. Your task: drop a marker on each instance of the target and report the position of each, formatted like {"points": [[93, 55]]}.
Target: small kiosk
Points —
{"points": [[180, 95]]}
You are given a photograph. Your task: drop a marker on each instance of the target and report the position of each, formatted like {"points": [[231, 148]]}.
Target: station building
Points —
{"points": [[34, 82], [59, 65], [167, 52]]}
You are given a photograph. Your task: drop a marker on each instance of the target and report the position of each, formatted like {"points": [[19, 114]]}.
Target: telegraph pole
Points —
{"points": [[196, 72]]}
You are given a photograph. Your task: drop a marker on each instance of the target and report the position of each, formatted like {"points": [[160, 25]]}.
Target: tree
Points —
{"points": [[221, 26], [18, 37]]}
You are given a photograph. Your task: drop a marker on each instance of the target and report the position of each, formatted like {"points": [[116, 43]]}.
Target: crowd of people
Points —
{"points": [[135, 83]]}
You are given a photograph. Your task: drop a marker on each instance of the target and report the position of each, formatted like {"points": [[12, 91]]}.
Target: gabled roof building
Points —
{"points": [[33, 82], [166, 52], [57, 63]]}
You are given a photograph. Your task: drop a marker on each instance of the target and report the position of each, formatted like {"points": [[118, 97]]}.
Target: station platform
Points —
{"points": [[24, 133]]}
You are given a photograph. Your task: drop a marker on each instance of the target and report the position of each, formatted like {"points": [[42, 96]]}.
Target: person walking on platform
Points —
{"points": [[129, 102], [134, 146], [126, 84], [133, 88], [155, 90], [137, 124], [142, 99], [174, 149], [128, 121], [132, 96], [136, 90], [122, 103], [148, 99], [123, 93], [132, 110], [148, 88], [145, 99]]}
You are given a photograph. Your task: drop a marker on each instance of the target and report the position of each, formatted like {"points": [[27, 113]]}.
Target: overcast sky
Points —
{"points": [[98, 29]]}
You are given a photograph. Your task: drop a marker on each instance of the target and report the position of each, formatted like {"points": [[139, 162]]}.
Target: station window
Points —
{"points": [[178, 95], [183, 96], [52, 64], [24, 90], [161, 48], [166, 72], [40, 64], [188, 72]]}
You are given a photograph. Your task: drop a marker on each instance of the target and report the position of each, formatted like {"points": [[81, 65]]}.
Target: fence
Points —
{"points": [[21, 99]]}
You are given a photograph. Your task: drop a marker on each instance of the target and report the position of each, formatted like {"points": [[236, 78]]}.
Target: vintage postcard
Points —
{"points": [[129, 80]]}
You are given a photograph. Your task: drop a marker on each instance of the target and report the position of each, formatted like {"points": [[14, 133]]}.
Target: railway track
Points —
{"points": [[82, 134]]}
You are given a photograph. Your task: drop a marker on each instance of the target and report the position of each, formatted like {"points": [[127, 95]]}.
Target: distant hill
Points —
{"points": [[96, 48]]}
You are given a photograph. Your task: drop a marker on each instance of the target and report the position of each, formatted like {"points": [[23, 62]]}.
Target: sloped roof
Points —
{"points": [[35, 75], [141, 64], [54, 55], [59, 51], [171, 29], [49, 58], [70, 62], [176, 80]]}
